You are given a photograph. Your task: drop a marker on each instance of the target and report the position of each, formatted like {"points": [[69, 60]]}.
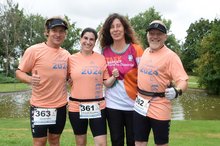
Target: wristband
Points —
{"points": [[179, 91]]}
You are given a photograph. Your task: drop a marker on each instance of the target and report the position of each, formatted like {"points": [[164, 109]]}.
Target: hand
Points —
{"points": [[171, 93], [115, 73], [35, 79]]}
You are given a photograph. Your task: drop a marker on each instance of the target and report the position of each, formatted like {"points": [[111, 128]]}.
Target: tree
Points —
{"points": [[19, 31], [10, 19], [141, 22], [73, 36], [195, 34], [208, 61], [32, 29]]}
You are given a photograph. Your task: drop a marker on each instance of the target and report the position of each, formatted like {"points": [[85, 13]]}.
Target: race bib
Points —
{"points": [[141, 105], [89, 110], [44, 116]]}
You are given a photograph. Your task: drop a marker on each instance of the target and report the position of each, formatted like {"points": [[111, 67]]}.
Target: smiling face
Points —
{"points": [[156, 39], [117, 30], [56, 36], [87, 42]]}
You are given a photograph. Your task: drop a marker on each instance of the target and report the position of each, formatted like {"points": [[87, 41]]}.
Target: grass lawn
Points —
{"points": [[16, 132], [12, 87]]}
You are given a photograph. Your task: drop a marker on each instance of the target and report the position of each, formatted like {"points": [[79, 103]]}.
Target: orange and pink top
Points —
{"points": [[122, 94]]}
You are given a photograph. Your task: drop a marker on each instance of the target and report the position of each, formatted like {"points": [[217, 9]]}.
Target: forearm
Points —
{"points": [[182, 84], [110, 81], [22, 76]]}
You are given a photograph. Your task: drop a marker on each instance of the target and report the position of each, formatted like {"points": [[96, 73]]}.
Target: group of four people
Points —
{"points": [[137, 84]]}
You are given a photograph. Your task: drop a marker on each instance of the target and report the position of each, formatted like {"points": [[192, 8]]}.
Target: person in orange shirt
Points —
{"points": [[159, 67], [122, 51], [47, 64], [88, 72]]}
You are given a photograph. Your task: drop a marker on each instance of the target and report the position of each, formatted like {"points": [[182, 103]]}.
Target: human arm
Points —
{"points": [[24, 77], [110, 81], [175, 91]]}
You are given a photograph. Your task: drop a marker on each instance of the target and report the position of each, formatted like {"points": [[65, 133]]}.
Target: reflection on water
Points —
{"points": [[14, 105], [196, 105], [192, 105]]}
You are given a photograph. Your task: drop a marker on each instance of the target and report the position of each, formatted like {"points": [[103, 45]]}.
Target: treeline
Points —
{"points": [[199, 52]]}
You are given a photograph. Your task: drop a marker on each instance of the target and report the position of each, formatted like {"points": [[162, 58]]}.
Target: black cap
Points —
{"points": [[157, 26], [56, 22]]}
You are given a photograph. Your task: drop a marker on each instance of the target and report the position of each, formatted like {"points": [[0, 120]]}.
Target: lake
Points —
{"points": [[192, 105]]}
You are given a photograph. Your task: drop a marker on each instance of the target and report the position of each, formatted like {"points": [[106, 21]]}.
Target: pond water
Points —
{"points": [[192, 105]]}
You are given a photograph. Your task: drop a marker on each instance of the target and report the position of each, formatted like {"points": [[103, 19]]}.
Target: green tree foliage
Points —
{"points": [[195, 34], [19, 31], [73, 36], [141, 21], [208, 61], [10, 35], [32, 28]]}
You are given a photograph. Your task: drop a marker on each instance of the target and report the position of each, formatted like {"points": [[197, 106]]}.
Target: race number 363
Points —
{"points": [[44, 116]]}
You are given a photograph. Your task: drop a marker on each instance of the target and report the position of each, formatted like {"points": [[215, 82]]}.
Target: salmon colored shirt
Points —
{"points": [[155, 72], [87, 74], [51, 66]]}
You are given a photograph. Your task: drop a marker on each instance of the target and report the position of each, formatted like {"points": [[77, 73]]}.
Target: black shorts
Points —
{"points": [[143, 126], [41, 130], [80, 126]]}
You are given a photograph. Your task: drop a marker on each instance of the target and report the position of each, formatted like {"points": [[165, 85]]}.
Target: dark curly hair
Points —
{"points": [[105, 36]]}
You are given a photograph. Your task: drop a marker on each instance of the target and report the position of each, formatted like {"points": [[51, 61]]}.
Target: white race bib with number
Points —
{"points": [[141, 105], [44, 116], [89, 110]]}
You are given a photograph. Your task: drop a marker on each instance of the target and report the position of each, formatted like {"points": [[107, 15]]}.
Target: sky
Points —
{"points": [[90, 13]]}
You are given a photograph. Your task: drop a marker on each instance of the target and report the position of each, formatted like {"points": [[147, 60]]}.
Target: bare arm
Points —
{"points": [[24, 77], [182, 84], [110, 81]]}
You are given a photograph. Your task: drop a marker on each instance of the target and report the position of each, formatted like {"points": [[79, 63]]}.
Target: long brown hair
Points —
{"points": [[105, 36]]}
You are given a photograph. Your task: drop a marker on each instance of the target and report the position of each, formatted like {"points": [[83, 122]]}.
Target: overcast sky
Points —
{"points": [[90, 13]]}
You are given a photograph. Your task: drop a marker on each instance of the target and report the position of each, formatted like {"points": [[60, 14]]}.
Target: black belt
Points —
{"points": [[86, 100], [153, 94]]}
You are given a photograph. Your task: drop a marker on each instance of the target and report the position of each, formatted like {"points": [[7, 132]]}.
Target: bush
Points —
{"points": [[4, 79]]}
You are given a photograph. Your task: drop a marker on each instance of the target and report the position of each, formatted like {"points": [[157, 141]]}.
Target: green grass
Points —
{"points": [[193, 82], [11, 87], [16, 132]]}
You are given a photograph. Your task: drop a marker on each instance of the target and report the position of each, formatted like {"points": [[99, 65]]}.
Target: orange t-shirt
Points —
{"points": [[87, 74], [155, 72], [51, 66]]}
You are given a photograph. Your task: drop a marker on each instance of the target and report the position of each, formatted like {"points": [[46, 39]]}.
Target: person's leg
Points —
{"points": [[100, 140], [129, 128], [79, 127], [40, 141], [116, 126], [56, 130], [81, 140], [99, 129], [161, 131], [142, 129], [54, 139], [39, 132]]}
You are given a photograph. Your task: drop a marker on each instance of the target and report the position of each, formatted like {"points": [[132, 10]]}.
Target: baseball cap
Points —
{"points": [[53, 22], [159, 26]]}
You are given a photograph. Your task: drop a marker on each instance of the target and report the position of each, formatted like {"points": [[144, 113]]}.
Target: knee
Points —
{"points": [[54, 139]]}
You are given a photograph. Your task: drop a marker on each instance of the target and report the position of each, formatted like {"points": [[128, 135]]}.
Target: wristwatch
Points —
{"points": [[179, 91]]}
